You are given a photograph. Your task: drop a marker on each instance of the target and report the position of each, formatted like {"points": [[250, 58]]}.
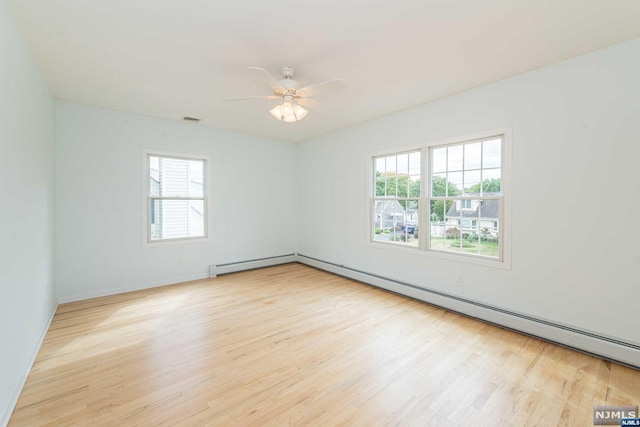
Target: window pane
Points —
{"points": [[469, 226], [414, 186], [454, 184], [395, 221], [170, 177], [472, 156], [491, 181], [439, 185], [391, 165], [437, 212], [439, 156], [397, 176], [154, 176], [439, 209], [472, 181], [414, 163], [454, 158], [488, 228], [403, 164], [452, 240], [380, 181], [491, 153], [403, 186], [196, 178], [393, 186], [176, 219]]}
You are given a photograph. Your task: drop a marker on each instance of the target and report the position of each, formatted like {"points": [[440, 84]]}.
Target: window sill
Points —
{"points": [[452, 257], [174, 242]]}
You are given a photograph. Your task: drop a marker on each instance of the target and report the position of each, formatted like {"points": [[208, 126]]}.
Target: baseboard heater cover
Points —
{"points": [[233, 267], [605, 347]]}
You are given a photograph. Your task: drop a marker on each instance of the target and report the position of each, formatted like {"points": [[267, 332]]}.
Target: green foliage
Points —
{"points": [[440, 184], [398, 238], [396, 186], [484, 247], [441, 187], [491, 185], [378, 230]]}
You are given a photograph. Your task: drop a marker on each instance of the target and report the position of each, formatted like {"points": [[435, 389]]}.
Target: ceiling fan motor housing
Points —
{"points": [[288, 72], [288, 82]]}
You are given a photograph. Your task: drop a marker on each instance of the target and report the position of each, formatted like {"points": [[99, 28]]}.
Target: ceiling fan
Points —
{"points": [[290, 92]]}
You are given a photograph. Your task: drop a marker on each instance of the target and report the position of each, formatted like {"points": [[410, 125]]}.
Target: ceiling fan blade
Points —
{"points": [[271, 81], [253, 98], [315, 105], [315, 89], [308, 102]]}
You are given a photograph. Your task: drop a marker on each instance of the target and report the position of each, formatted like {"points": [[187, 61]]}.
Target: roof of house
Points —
{"points": [[488, 208]]}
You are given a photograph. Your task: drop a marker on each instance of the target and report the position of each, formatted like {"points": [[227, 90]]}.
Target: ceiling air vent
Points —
{"points": [[190, 119]]}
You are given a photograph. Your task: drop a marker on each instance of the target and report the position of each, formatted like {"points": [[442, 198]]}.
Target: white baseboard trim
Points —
{"points": [[587, 342], [233, 267], [600, 346], [4, 421], [214, 270], [136, 287]]}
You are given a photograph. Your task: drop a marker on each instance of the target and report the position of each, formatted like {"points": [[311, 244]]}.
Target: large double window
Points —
{"points": [[176, 199], [445, 198]]}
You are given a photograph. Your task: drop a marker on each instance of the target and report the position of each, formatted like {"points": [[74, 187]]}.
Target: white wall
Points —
{"points": [[27, 288], [576, 154], [99, 200]]}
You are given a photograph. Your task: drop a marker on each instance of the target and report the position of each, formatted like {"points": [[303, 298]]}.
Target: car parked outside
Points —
{"points": [[410, 228]]}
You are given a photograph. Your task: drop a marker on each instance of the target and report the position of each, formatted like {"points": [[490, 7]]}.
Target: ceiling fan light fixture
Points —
{"points": [[288, 112], [287, 108], [300, 112], [276, 112]]}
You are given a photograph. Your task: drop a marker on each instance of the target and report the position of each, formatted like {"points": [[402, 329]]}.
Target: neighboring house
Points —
{"points": [[477, 216], [389, 214]]}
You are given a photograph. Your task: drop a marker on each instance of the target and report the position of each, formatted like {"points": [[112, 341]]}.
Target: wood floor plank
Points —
{"points": [[292, 345]]}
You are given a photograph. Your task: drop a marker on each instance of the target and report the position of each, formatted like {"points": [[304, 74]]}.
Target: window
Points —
{"points": [[176, 198], [466, 197], [396, 198], [460, 205]]}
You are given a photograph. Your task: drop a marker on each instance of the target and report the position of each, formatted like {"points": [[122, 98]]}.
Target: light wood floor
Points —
{"points": [[291, 345]]}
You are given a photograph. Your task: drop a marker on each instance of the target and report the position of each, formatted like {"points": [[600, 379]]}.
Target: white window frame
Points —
{"points": [[504, 223], [146, 198]]}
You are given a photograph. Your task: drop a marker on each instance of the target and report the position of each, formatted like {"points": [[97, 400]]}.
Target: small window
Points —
{"points": [[176, 199]]}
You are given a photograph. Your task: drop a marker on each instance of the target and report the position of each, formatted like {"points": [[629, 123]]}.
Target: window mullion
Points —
{"points": [[425, 201]]}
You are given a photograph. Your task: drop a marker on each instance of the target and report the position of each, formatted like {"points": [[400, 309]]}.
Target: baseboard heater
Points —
{"points": [[618, 351], [232, 267]]}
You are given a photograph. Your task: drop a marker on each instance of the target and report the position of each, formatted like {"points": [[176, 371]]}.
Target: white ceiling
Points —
{"points": [[171, 58]]}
